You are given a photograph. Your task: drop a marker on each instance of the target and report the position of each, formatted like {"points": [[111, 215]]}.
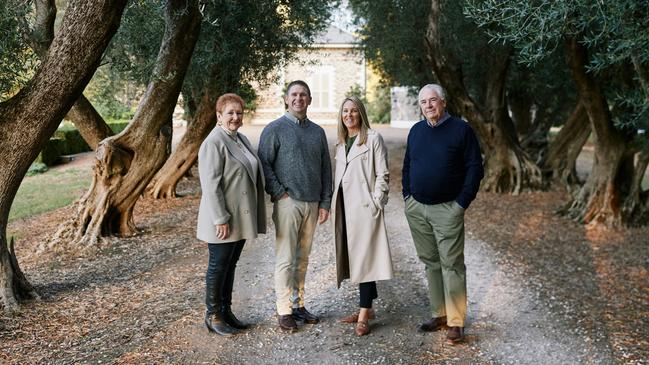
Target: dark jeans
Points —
{"points": [[219, 278], [367, 293]]}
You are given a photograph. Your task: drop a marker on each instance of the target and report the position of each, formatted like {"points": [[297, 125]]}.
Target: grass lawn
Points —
{"points": [[48, 191]]}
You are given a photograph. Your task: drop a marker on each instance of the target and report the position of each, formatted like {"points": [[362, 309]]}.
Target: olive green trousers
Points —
{"points": [[438, 233]]}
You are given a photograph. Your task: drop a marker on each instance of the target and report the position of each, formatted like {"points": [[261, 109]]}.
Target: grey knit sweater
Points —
{"points": [[295, 159]]}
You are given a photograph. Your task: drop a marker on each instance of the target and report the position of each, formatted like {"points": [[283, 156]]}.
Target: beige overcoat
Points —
{"points": [[229, 193], [360, 194]]}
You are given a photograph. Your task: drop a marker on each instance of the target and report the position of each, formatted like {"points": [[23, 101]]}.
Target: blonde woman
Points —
{"points": [[360, 194]]}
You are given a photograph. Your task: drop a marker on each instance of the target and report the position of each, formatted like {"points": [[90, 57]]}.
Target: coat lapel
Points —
{"points": [[260, 171], [356, 151], [235, 151]]}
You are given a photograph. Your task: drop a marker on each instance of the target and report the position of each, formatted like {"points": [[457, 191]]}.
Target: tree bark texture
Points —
{"points": [[183, 158], [559, 165], [86, 119], [521, 113], [28, 119], [90, 124], [636, 206], [42, 32], [508, 169], [599, 200], [126, 163]]}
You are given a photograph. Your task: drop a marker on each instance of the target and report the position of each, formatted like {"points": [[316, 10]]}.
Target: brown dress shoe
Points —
{"points": [[353, 318], [362, 328], [455, 335], [434, 324], [287, 323]]}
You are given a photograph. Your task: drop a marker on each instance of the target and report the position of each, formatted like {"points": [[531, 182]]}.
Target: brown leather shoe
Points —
{"points": [[455, 335], [287, 323], [433, 324], [353, 318], [362, 328]]}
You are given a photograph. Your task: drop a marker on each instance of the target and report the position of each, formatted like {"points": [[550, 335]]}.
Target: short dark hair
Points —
{"points": [[298, 82]]}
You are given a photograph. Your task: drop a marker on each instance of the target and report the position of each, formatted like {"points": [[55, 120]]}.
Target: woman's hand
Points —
{"points": [[222, 231]]}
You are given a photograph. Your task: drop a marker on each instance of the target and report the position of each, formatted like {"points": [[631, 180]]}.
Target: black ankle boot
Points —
{"points": [[231, 319], [215, 323]]}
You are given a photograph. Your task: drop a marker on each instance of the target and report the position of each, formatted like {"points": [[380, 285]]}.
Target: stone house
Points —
{"points": [[331, 66]]}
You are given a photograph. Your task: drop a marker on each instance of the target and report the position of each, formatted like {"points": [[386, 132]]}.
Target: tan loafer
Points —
{"points": [[362, 328], [353, 318]]}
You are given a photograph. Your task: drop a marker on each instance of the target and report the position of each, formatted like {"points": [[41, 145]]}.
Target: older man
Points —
{"points": [[442, 170], [295, 157]]}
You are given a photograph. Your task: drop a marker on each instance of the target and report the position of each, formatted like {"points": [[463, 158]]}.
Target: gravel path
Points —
{"points": [[140, 300]]}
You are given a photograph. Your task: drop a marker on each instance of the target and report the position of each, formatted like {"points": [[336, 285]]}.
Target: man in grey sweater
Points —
{"points": [[295, 158]]}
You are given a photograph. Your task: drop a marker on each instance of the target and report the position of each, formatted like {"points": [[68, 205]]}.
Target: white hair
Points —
{"points": [[434, 87]]}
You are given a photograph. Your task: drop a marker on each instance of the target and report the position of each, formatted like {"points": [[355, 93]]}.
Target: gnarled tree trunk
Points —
{"points": [[521, 108], [29, 118], [90, 124], [599, 200], [125, 163], [635, 210], [92, 127], [183, 158], [508, 169], [560, 162]]}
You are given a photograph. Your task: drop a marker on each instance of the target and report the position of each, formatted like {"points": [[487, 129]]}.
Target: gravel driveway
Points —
{"points": [[140, 300]]}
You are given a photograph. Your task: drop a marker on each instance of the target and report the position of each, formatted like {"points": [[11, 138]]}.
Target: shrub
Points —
{"points": [[72, 141], [68, 141], [51, 152], [36, 168]]}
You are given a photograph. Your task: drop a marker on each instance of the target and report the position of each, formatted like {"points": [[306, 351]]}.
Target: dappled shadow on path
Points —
{"points": [[591, 279]]}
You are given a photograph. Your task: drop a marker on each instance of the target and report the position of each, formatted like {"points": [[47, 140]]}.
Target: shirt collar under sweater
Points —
{"points": [[294, 119], [441, 120]]}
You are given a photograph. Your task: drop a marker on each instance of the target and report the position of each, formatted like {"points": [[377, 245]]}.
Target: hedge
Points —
{"points": [[68, 141]]}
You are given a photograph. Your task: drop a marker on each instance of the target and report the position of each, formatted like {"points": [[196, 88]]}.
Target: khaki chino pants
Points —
{"points": [[295, 223], [438, 233]]}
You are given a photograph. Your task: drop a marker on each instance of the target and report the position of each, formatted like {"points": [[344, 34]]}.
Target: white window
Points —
{"points": [[321, 83]]}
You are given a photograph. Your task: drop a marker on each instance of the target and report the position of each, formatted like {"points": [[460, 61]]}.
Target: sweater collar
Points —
{"points": [[294, 119], [441, 120]]}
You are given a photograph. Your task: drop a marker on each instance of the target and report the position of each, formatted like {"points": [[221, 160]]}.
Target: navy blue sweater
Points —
{"points": [[442, 163]]}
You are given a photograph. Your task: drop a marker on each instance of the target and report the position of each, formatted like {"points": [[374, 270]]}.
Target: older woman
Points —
{"points": [[361, 192], [231, 211]]}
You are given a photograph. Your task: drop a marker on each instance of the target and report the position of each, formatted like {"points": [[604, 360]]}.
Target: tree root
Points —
{"points": [[14, 286]]}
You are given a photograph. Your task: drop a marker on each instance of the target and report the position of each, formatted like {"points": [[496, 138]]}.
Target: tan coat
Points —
{"points": [[361, 179], [229, 194]]}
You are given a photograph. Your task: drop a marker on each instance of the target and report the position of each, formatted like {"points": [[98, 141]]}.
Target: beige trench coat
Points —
{"points": [[361, 180], [229, 194]]}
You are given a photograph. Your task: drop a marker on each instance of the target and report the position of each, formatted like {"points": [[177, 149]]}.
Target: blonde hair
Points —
{"points": [[365, 124]]}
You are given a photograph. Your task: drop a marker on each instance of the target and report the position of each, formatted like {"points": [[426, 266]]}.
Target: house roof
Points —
{"points": [[334, 35]]}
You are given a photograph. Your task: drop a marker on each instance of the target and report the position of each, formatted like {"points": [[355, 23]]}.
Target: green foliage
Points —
{"points": [[616, 34], [133, 50], [241, 41], [17, 60], [51, 152], [244, 40], [117, 125], [392, 33], [613, 31], [378, 110], [112, 96]]}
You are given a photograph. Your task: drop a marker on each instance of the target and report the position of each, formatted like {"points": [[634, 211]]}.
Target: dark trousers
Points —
{"points": [[219, 278], [368, 293]]}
